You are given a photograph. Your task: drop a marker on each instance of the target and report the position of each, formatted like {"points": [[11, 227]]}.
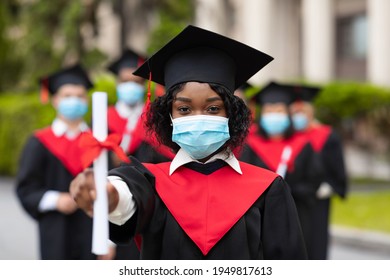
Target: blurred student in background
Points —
{"points": [[49, 161], [125, 117], [273, 145], [327, 143]]}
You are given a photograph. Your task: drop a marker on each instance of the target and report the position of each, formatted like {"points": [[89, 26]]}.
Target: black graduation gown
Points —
{"points": [[304, 180], [331, 153], [269, 229], [61, 236], [145, 153]]}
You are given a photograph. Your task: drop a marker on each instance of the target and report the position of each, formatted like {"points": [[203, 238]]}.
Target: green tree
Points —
{"points": [[9, 62], [47, 35], [174, 15]]}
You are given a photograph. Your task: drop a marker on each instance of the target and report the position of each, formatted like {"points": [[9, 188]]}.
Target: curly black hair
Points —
{"points": [[158, 119]]}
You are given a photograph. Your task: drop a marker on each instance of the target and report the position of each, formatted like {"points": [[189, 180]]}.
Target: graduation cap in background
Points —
{"points": [[245, 86], [304, 93], [128, 59], [274, 92], [200, 55], [75, 75]]}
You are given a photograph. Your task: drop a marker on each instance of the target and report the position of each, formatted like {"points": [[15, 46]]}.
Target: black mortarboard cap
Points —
{"points": [[304, 93], [71, 75], [245, 86], [200, 55], [274, 92], [128, 59]]}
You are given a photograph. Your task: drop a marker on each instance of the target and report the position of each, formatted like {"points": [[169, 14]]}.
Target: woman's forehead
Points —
{"points": [[196, 90], [274, 106]]}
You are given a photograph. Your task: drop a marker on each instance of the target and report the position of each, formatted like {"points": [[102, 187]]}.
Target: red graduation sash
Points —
{"points": [[68, 152], [270, 151], [207, 206]]}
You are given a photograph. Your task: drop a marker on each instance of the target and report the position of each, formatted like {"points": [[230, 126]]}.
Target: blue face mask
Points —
{"points": [[274, 123], [130, 93], [72, 108], [300, 121], [200, 135]]}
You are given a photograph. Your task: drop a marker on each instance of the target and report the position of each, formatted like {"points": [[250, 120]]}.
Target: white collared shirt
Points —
{"points": [[182, 158], [49, 200], [59, 128], [126, 206], [125, 111], [132, 114]]}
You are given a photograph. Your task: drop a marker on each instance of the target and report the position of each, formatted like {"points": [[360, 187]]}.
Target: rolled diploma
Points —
{"points": [[100, 167]]}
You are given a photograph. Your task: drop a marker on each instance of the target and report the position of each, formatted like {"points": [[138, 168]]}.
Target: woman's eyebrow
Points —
{"points": [[183, 99], [211, 99]]}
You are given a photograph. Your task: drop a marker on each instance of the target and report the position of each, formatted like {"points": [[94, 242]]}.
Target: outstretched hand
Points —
{"points": [[83, 191]]}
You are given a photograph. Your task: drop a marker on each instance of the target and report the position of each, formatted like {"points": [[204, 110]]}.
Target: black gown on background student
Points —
{"points": [[327, 143], [48, 163], [304, 170], [207, 210]]}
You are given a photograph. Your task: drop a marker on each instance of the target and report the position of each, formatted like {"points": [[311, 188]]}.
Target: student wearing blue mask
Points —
{"points": [[49, 161], [327, 143], [125, 117], [274, 145], [205, 204]]}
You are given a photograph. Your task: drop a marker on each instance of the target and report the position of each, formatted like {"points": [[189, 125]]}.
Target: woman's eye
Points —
{"points": [[183, 109], [213, 109]]}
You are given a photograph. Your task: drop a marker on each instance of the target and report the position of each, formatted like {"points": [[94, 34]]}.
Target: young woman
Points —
{"points": [[274, 145], [205, 204]]}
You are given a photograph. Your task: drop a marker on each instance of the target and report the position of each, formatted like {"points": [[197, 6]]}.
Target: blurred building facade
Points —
{"points": [[318, 41], [313, 40]]}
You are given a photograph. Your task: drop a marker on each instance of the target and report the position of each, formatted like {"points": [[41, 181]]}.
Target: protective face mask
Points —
{"points": [[72, 108], [200, 135], [130, 92], [300, 121], [274, 123]]}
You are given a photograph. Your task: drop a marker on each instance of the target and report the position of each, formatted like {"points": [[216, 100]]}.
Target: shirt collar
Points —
{"points": [[60, 128], [182, 158], [126, 111]]}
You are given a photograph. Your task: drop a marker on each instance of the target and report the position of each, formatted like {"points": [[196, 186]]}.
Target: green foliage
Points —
{"points": [[106, 83], [20, 115], [338, 101], [10, 63], [46, 35], [174, 16], [368, 211]]}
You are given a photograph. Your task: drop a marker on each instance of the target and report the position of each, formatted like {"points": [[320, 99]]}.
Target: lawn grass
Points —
{"points": [[363, 210]]}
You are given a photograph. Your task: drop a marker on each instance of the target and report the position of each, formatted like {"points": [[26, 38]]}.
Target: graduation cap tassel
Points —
{"points": [[45, 91], [149, 94]]}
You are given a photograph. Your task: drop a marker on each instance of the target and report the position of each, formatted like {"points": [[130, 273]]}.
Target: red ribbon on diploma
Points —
{"points": [[93, 147]]}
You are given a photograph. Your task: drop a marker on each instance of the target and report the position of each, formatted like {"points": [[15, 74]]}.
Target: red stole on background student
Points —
{"points": [[270, 151], [68, 152], [207, 206], [116, 124], [318, 136]]}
